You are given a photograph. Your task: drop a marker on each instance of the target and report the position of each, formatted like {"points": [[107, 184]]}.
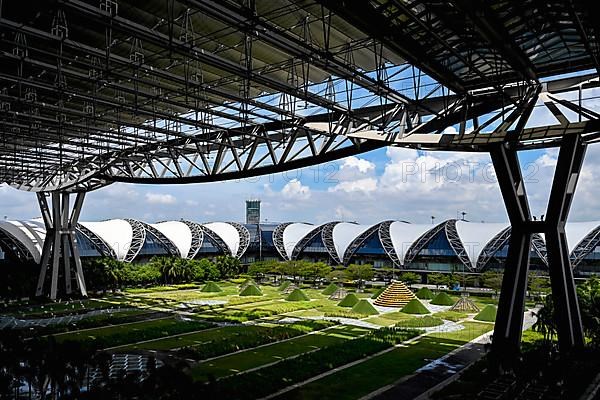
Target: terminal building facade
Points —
{"points": [[450, 246]]}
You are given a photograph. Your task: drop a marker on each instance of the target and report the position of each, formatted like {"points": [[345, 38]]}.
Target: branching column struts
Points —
{"points": [[60, 220], [511, 306]]}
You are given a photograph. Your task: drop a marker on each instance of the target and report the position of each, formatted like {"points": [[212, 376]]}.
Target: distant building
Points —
{"points": [[252, 211]]}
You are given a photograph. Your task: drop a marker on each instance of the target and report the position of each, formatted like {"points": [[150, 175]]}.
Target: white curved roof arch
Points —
{"points": [[116, 233]]}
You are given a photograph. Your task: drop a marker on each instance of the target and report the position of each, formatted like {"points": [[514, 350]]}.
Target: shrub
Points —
{"points": [[420, 322], [211, 287], [364, 307], [284, 285], [331, 289], [488, 314], [442, 299], [349, 301], [424, 294], [251, 290], [297, 295], [415, 307]]}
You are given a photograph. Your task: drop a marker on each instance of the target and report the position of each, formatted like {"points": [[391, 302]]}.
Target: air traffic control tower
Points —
{"points": [[252, 211]]}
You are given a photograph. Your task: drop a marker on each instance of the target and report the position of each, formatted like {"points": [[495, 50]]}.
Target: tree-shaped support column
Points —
{"points": [[511, 306], [60, 244]]}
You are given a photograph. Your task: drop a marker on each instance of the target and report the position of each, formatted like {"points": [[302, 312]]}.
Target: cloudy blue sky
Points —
{"points": [[390, 183]]}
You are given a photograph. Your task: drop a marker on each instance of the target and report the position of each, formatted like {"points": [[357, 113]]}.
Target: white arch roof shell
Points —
{"points": [[344, 234], [576, 231], [403, 235], [30, 233], [116, 233], [476, 235], [293, 233], [227, 233], [178, 233]]}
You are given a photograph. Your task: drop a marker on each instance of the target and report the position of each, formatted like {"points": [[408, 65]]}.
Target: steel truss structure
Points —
{"points": [[197, 238], [99, 243], [422, 241], [386, 242], [278, 241], [305, 241], [327, 238], [215, 239], [15, 247], [244, 236], [585, 246], [137, 240], [359, 241], [160, 237], [94, 92], [490, 249], [457, 245]]}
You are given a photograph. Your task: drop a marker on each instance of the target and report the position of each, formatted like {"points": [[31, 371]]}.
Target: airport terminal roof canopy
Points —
{"points": [[96, 91]]}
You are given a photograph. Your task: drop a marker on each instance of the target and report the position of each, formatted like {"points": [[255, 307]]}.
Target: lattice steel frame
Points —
{"points": [[15, 246], [137, 240], [327, 238], [422, 241], [457, 245], [167, 244], [216, 239], [103, 248], [386, 242], [244, 235], [305, 240], [197, 238], [585, 247], [278, 239], [491, 247], [359, 240], [539, 246]]}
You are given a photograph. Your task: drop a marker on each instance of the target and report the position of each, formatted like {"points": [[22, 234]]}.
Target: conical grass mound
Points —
{"points": [[488, 314], [331, 289], [442, 299], [424, 294], [247, 283], [365, 308], [414, 307], [378, 292], [349, 301], [297, 295], [251, 290], [211, 287], [284, 285]]}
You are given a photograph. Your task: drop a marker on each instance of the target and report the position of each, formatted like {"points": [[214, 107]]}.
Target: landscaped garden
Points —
{"points": [[219, 334]]}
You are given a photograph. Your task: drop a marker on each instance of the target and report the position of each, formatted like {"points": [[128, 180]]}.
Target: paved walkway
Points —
{"points": [[438, 371], [16, 323]]}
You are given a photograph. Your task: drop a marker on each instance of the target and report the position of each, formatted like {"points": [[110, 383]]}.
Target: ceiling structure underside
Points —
{"points": [[178, 91]]}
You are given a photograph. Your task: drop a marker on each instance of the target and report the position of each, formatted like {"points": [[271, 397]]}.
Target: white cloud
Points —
{"points": [[160, 198], [294, 189], [365, 185]]}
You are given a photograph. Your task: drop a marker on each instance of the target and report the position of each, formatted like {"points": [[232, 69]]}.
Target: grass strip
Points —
{"points": [[119, 335], [257, 357], [270, 379], [364, 378]]}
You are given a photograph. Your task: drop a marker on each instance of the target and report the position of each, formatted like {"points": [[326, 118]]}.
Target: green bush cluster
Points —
{"points": [[420, 322], [108, 273]]}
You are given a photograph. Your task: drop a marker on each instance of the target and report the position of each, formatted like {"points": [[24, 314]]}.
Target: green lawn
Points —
{"points": [[118, 335], [253, 358], [368, 376]]}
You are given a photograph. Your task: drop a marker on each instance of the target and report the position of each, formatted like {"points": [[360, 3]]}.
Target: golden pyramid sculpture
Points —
{"points": [[465, 304], [395, 295]]}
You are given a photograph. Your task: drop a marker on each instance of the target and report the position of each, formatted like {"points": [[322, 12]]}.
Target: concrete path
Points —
{"points": [[17, 323]]}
